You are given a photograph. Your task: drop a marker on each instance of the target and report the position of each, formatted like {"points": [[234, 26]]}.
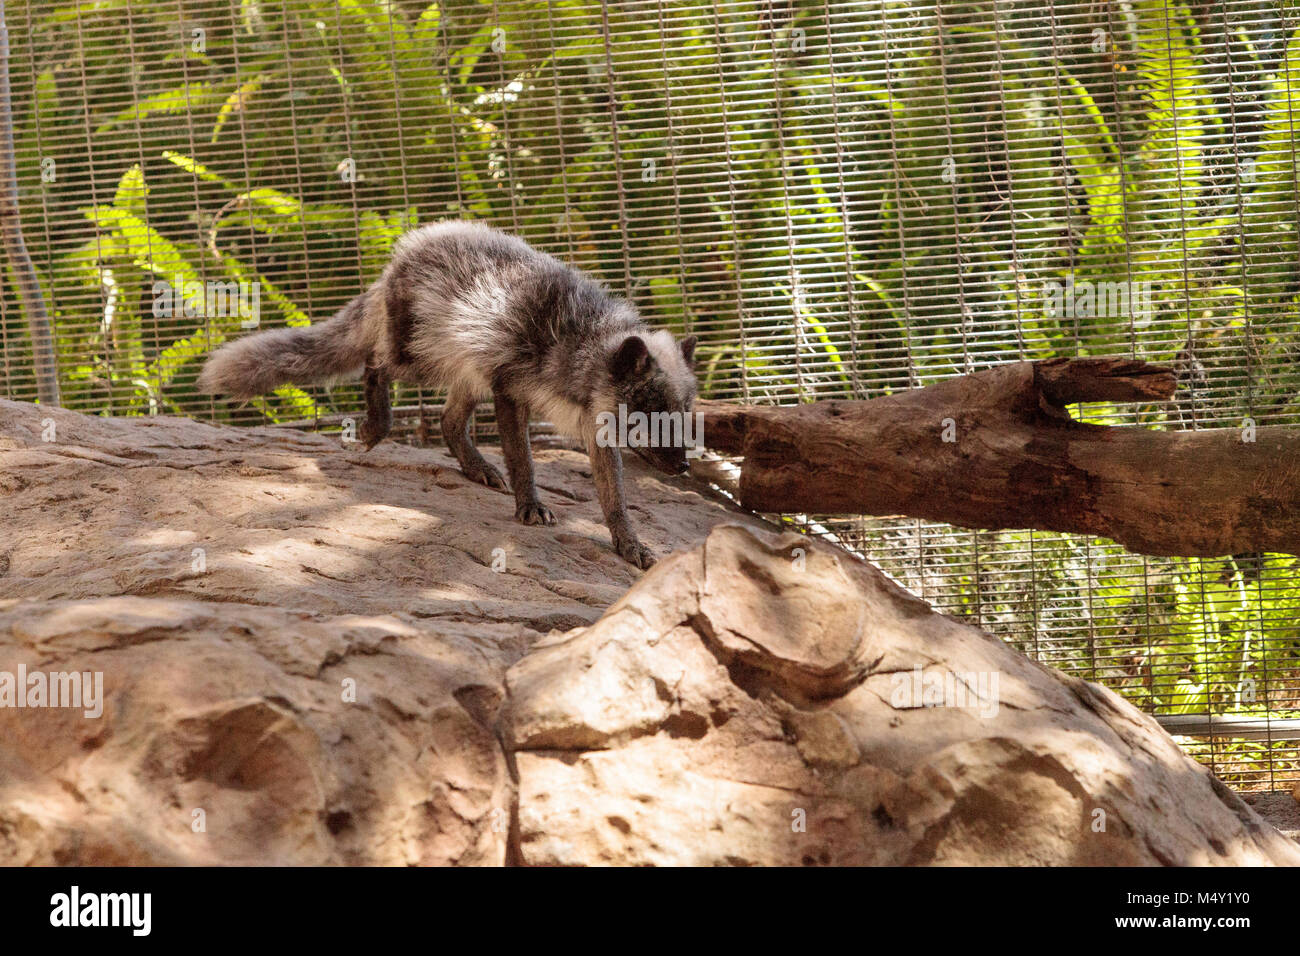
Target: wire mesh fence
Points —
{"points": [[841, 199]]}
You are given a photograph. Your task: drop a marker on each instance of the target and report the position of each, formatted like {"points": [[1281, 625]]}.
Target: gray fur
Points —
{"points": [[260, 363], [465, 307]]}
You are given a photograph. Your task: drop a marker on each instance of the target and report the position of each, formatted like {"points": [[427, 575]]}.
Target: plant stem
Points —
{"points": [[29, 287]]}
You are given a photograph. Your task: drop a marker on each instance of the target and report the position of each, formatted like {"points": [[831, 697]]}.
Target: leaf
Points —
{"points": [[235, 102], [179, 99], [131, 191]]}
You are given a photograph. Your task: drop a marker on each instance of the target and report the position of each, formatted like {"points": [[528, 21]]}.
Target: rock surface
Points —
{"points": [[226, 582], [308, 657], [1279, 809], [748, 704]]}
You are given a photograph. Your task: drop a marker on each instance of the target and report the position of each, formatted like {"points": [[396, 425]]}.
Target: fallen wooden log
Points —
{"points": [[997, 449]]}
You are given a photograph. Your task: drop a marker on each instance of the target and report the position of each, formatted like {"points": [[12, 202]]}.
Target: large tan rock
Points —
{"points": [[752, 701], [311, 654], [228, 736], [293, 519], [226, 582]]}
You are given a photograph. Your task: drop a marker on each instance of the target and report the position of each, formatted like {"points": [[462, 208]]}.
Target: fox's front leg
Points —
{"points": [[607, 471], [512, 426]]}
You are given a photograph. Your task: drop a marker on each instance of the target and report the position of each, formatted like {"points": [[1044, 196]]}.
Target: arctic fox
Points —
{"points": [[465, 307]]}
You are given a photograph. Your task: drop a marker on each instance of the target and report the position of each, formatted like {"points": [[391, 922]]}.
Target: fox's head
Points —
{"points": [[654, 375]]}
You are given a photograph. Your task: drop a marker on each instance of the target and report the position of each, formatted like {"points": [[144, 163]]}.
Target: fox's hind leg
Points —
{"points": [[455, 431], [379, 411]]}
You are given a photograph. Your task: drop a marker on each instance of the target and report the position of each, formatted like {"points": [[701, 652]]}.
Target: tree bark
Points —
{"points": [[20, 261], [997, 449]]}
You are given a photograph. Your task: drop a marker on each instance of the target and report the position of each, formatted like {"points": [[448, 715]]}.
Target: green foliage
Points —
{"points": [[931, 169], [1175, 635]]}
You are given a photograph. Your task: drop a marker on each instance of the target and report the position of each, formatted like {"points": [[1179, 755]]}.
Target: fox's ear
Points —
{"points": [[688, 349], [632, 360]]}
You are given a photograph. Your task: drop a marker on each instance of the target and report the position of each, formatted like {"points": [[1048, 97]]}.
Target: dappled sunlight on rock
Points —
{"points": [[314, 655]]}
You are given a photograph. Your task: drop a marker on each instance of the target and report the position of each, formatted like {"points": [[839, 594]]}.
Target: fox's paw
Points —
{"points": [[371, 434], [534, 512], [485, 474], [634, 552]]}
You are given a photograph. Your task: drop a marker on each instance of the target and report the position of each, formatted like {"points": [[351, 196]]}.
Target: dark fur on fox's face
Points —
{"points": [[653, 375]]}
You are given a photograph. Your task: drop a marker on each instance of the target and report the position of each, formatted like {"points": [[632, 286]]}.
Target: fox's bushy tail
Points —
{"points": [[259, 363]]}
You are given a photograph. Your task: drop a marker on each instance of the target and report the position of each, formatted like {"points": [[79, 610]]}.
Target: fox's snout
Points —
{"points": [[671, 461]]}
